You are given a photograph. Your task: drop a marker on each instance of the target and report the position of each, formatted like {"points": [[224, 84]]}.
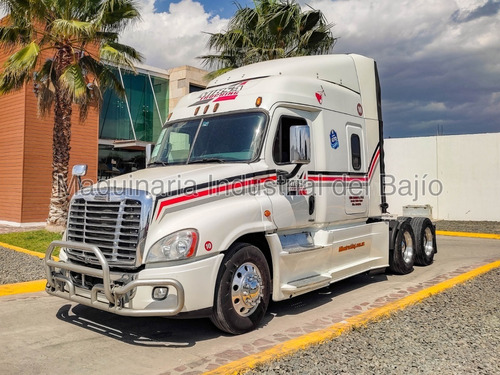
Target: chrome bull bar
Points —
{"points": [[58, 281]]}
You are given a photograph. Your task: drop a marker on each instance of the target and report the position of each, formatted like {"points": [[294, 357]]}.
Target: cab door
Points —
{"points": [[293, 200]]}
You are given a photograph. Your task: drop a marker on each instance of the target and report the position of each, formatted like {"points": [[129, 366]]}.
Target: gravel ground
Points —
{"points": [[16, 267], [469, 226], [455, 332]]}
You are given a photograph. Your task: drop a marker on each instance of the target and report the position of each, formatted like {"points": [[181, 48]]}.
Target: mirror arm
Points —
{"points": [[282, 176]]}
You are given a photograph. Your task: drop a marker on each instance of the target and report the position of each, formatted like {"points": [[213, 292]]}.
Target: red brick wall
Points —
{"points": [[12, 115], [26, 158]]}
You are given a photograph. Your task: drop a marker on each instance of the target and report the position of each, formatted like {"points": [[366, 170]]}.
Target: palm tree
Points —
{"points": [[273, 29], [60, 46]]}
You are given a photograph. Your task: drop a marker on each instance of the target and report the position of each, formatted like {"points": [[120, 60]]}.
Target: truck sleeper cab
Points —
{"points": [[268, 184]]}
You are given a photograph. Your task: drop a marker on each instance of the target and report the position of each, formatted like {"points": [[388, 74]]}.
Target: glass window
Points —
{"points": [[147, 115], [281, 146], [175, 142], [114, 162], [195, 88], [233, 137], [356, 152]]}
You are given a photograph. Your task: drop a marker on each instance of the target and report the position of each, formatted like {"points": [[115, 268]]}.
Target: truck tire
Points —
{"points": [[425, 240], [242, 291], [402, 258]]}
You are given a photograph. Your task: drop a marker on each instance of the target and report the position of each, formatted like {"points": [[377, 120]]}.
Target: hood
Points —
{"points": [[159, 181]]}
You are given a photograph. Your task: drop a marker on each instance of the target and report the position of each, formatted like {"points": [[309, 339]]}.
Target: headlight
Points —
{"points": [[178, 245]]}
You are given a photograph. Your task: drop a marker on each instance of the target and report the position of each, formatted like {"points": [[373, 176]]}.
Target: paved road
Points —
{"points": [[42, 334]]}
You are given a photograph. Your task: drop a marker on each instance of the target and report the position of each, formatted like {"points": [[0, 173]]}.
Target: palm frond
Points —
{"points": [[106, 77], [114, 15], [23, 61], [45, 97], [11, 36], [73, 29], [120, 54], [73, 81], [10, 82], [272, 29]]}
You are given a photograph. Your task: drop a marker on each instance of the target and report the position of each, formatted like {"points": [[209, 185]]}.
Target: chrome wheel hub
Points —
{"points": [[246, 289], [407, 248], [428, 242]]}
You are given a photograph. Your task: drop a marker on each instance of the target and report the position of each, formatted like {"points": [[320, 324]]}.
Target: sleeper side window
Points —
{"points": [[281, 145], [356, 152]]}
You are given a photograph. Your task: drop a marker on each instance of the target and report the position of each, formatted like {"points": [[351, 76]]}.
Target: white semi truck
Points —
{"points": [[267, 184]]}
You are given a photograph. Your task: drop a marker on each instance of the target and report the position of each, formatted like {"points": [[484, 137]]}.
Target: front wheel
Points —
{"points": [[242, 291]]}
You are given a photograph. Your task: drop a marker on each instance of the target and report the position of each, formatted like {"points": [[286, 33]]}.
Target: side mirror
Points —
{"points": [[300, 144], [149, 152], [80, 170]]}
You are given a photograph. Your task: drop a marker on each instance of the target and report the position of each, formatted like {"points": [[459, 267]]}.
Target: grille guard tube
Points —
{"points": [[113, 292]]}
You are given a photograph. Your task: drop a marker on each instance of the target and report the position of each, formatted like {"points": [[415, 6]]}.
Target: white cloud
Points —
{"points": [[434, 107], [172, 38]]}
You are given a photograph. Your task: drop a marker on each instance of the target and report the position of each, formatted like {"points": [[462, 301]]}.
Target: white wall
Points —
{"points": [[467, 167]]}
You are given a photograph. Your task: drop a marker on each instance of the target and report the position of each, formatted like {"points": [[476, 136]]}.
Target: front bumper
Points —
{"points": [[115, 294]]}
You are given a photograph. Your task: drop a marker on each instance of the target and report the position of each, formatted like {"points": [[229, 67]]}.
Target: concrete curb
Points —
{"points": [[21, 250], [21, 288], [469, 234], [370, 316]]}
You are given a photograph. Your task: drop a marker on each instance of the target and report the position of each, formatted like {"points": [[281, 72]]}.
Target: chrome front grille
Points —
{"points": [[116, 226]]}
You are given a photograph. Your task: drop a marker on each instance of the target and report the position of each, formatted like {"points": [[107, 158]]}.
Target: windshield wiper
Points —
{"points": [[207, 160], [162, 163]]}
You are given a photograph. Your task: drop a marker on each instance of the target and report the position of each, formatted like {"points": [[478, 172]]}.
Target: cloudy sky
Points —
{"points": [[439, 60]]}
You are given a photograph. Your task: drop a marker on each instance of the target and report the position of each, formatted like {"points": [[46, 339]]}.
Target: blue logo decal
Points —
{"points": [[334, 140]]}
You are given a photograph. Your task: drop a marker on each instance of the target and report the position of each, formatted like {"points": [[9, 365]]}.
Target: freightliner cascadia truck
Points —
{"points": [[267, 184]]}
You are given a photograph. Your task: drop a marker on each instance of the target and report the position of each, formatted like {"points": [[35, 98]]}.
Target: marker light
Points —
{"points": [[258, 102], [216, 107], [206, 109], [170, 115], [196, 110]]}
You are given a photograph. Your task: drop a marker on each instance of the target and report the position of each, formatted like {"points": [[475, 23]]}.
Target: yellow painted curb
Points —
{"points": [[19, 288], [373, 315], [469, 234], [21, 250]]}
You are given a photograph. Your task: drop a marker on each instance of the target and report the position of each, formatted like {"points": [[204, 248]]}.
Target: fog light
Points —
{"points": [[160, 293]]}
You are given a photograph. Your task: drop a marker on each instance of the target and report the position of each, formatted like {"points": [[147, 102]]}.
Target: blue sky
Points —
{"points": [[224, 9]]}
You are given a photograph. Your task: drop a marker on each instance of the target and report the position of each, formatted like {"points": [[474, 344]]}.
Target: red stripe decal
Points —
{"points": [[224, 98], [212, 191], [364, 178]]}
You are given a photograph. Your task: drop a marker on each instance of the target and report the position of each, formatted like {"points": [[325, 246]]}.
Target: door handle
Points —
{"points": [[312, 202]]}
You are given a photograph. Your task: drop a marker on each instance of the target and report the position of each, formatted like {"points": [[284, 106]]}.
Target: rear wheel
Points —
{"points": [[425, 240], [242, 290], [402, 258]]}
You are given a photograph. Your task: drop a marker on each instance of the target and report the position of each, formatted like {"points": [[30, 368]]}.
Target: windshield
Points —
{"points": [[234, 137]]}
